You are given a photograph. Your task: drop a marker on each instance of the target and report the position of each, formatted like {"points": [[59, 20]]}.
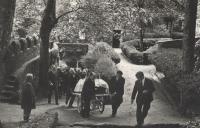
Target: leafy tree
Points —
{"points": [[49, 21]]}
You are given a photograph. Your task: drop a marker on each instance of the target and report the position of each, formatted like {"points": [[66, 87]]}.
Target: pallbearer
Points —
{"points": [[144, 89], [87, 94], [117, 91]]}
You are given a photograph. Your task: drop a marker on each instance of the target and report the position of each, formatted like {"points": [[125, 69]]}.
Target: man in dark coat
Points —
{"points": [[87, 94], [72, 81], [144, 89], [53, 86], [28, 97], [117, 91]]}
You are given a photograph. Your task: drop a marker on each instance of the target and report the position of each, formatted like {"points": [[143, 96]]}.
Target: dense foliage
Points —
{"points": [[131, 49], [105, 67], [102, 59], [183, 87], [97, 19]]}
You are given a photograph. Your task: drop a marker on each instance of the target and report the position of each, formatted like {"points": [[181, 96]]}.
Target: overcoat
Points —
{"points": [[28, 96]]}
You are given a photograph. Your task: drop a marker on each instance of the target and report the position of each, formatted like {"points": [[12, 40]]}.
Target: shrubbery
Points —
{"points": [[106, 49], [183, 87], [101, 59], [167, 61], [131, 50], [105, 67]]}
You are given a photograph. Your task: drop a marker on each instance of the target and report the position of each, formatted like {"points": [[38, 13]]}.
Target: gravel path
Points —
{"points": [[161, 110]]}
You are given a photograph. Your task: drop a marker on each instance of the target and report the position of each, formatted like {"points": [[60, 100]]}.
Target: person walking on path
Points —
{"points": [[28, 97], [87, 94], [117, 91], [53, 86], [144, 89], [72, 81]]}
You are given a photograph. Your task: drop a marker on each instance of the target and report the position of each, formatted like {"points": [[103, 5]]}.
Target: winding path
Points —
{"points": [[161, 110]]}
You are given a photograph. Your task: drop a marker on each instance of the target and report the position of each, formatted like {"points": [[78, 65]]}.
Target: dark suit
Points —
{"points": [[72, 81], [53, 86], [27, 99], [143, 100], [88, 92], [117, 87]]}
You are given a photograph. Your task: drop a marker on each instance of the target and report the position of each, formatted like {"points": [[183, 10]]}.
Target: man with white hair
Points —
{"points": [[28, 96]]}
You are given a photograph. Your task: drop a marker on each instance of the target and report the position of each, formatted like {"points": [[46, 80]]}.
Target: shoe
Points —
{"points": [[113, 115], [57, 103], [70, 106]]}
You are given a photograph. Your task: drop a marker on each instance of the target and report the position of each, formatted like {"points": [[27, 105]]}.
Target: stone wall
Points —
{"points": [[177, 43], [31, 66], [16, 54]]}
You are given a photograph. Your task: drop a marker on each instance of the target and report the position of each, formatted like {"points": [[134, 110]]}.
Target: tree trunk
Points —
{"points": [[48, 22], [141, 40], [189, 35], [7, 11]]}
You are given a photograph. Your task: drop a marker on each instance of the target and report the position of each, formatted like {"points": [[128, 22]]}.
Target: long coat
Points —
{"points": [[88, 91], [117, 86], [28, 96], [139, 88], [72, 81]]}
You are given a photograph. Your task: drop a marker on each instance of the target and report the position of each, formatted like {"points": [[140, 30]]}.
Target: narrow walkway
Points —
{"points": [[161, 111]]}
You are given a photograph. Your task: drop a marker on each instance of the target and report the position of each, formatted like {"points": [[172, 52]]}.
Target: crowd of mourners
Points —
{"points": [[63, 82]]}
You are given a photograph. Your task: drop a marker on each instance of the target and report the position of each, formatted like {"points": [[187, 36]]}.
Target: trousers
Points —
{"points": [[27, 112], [53, 89], [142, 111]]}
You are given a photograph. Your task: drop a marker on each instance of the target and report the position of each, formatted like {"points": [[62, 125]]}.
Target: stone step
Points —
{"points": [[9, 93], [8, 87]]}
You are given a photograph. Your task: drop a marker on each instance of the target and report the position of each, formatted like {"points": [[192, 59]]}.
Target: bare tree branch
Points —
{"points": [[67, 12]]}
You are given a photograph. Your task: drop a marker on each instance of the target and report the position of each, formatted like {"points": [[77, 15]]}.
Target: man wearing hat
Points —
{"points": [[144, 89], [117, 91]]}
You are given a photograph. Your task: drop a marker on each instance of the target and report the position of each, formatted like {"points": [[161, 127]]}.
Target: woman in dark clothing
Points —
{"points": [[117, 91], [88, 93], [28, 97]]}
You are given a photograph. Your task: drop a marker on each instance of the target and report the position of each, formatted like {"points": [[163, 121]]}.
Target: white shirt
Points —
{"points": [[143, 82]]}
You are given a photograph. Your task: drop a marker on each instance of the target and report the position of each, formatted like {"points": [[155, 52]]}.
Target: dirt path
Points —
{"points": [[161, 111]]}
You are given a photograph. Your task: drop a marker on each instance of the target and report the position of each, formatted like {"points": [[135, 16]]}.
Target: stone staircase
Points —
{"points": [[9, 91]]}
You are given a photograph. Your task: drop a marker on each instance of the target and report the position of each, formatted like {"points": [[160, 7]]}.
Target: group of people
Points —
{"points": [[64, 83]]}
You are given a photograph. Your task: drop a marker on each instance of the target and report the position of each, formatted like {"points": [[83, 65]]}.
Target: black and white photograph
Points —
{"points": [[99, 63]]}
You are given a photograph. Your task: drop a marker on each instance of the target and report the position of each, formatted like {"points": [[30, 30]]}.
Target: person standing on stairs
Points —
{"points": [[144, 89]]}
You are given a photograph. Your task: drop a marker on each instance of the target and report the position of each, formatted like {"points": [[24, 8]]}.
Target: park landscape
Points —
{"points": [[159, 37]]}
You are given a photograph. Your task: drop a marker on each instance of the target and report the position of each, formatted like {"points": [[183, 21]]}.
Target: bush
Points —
{"points": [[129, 37], [105, 67], [130, 49], [184, 88], [157, 35], [100, 59], [106, 49], [177, 35], [90, 59], [167, 61], [148, 42]]}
